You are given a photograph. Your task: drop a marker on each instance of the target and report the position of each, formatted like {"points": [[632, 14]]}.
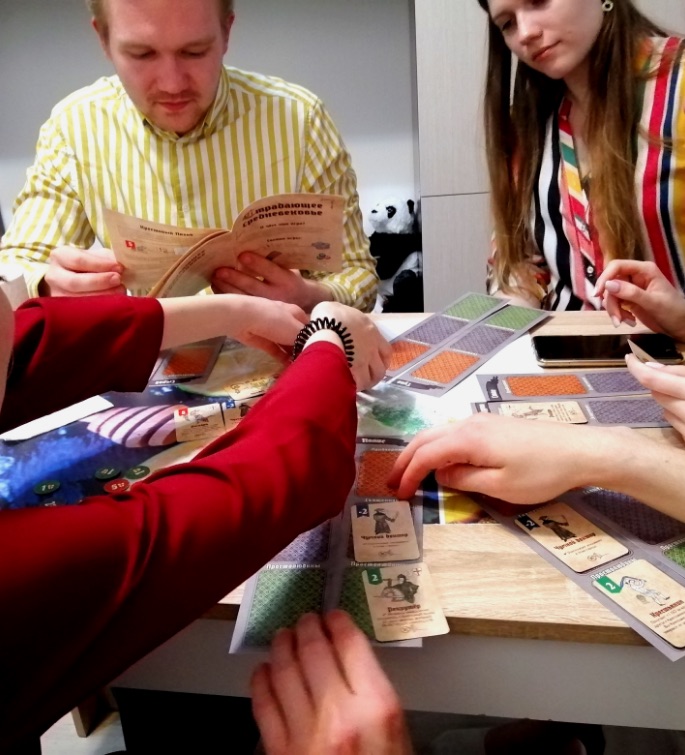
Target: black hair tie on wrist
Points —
{"points": [[325, 323]]}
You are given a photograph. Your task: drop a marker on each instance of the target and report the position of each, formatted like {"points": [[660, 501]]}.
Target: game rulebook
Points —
{"points": [[297, 231]]}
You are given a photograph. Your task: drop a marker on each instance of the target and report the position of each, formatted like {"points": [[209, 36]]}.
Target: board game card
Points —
{"points": [[676, 553], [640, 353], [637, 411], [561, 386], [383, 532], [423, 339], [241, 372], [373, 470], [353, 599], [637, 519], [193, 361], [553, 411], [281, 596], [631, 412], [204, 422], [441, 367], [403, 602], [650, 595], [572, 538], [310, 547]]}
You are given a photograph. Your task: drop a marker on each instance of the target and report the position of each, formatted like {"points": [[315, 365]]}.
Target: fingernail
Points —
{"points": [[615, 321], [629, 321], [613, 286], [655, 365]]}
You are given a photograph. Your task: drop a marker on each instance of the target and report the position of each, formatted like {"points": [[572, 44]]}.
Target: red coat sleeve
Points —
{"points": [[87, 590], [69, 349]]}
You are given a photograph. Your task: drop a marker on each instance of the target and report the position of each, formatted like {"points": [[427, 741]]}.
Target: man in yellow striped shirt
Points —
{"points": [[178, 138]]}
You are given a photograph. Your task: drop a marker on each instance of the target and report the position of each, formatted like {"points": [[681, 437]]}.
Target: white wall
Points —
{"points": [[669, 13], [357, 55]]}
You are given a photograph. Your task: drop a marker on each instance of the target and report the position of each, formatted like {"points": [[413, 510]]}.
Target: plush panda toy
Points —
{"points": [[396, 245]]}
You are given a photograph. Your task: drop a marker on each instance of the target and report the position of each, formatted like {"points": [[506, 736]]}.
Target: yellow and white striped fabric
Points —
{"points": [[262, 136]]}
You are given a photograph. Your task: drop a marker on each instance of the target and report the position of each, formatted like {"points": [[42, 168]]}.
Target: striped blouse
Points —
{"points": [[262, 136], [562, 213]]}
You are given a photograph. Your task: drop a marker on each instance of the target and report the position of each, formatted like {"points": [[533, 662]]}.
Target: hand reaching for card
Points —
{"points": [[667, 385], [512, 459], [324, 692]]}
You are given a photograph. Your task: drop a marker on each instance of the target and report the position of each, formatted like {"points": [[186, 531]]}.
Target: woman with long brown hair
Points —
{"points": [[586, 151]]}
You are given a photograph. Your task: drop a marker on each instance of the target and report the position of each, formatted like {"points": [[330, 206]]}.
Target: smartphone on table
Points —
{"points": [[606, 350]]}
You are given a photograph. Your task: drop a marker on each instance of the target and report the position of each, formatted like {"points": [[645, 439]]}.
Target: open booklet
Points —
{"points": [[297, 231]]}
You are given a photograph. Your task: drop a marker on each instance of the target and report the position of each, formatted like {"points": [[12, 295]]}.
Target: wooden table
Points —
{"points": [[524, 642]]}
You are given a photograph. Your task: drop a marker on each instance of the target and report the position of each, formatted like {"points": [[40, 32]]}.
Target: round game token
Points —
{"points": [[117, 486], [46, 487], [137, 473], [107, 473]]}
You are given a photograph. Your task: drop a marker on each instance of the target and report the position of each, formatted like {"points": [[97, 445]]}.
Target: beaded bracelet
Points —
{"points": [[325, 323]]}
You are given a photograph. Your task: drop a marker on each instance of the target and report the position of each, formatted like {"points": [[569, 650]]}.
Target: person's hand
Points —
{"points": [[371, 351], [515, 460], [268, 325], [323, 692], [259, 276], [667, 384], [633, 289], [76, 272]]}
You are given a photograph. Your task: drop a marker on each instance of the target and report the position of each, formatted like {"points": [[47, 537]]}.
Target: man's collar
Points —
{"points": [[216, 115]]}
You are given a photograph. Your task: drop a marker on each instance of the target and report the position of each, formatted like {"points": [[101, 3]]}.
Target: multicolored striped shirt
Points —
{"points": [[262, 136], [562, 212]]}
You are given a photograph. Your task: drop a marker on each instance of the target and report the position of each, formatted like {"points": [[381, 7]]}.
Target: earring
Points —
{"points": [[608, 6]]}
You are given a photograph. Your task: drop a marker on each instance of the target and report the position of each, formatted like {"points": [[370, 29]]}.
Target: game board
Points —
{"points": [[558, 385], [600, 397], [629, 411], [434, 356], [109, 451], [374, 544], [104, 453], [625, 554]]}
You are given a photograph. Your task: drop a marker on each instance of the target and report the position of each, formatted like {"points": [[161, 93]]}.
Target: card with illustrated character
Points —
{"points": [[383, 532], [633, 411], [650, 595], [572, 538], [403, 602], [553, 411], [204, 422]]}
